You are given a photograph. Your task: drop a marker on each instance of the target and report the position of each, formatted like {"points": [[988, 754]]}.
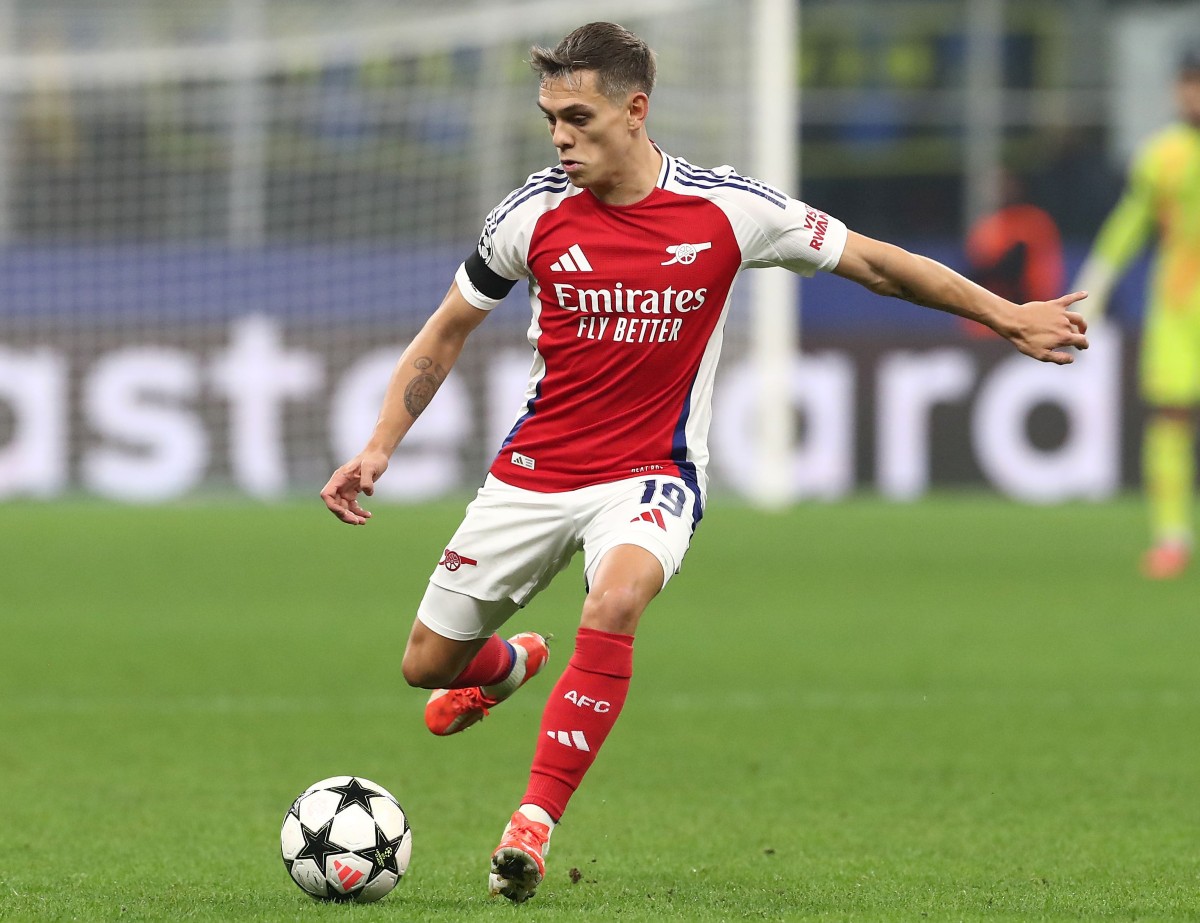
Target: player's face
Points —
{"points": [[1187, 91], [593, 135]]}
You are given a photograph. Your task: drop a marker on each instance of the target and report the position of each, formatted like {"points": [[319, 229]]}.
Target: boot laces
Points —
{"points": [[469, 700], [529, 834]]}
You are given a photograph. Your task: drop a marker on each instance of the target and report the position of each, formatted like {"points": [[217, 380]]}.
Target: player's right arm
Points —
{"points": [[419, 373]]}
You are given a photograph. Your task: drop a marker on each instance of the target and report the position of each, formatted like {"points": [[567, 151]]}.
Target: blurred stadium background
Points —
{"points": [[220, 220]]}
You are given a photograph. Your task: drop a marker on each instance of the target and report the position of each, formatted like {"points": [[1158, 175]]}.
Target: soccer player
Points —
{"points": [[1163, 196], [630, 254]]}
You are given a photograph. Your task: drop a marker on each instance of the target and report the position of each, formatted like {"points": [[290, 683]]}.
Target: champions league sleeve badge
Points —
{"points": [[485, 245]]}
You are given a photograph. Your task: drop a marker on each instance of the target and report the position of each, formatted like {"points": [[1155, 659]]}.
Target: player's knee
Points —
{"points": [[615, 609], [423, 674], [414, 671], [422, 668]]}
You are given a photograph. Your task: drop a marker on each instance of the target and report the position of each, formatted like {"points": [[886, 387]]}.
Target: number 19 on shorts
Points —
{"points": [[672, 497]]}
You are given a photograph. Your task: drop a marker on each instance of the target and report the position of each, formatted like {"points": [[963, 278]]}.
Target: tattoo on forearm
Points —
{"points": [[420, 390]]}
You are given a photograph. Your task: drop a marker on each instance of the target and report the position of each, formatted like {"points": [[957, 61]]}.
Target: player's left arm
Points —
{"points": [[1124, 233], [1040, 329]]}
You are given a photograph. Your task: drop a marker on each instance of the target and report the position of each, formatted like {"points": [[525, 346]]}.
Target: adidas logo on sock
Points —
{"points": [[572, 261], [572, 739]]}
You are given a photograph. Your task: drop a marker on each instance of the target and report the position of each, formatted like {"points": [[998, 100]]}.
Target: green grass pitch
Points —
{"points": [[962, 709]]}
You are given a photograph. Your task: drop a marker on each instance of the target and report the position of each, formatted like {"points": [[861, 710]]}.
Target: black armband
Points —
{"points": [[484, 279]]}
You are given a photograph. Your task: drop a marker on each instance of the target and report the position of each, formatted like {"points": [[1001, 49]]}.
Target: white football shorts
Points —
{"points": [[512, 542]]}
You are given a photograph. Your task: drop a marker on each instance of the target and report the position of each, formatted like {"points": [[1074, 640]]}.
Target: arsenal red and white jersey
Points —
{"points": [[629, 305]]}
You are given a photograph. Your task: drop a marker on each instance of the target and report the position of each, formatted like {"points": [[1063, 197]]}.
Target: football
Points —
{"points": [[346, 839]]}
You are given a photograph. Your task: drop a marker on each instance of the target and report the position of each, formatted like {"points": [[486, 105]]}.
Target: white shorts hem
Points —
{"points": [[469, 618], [650, 543]]}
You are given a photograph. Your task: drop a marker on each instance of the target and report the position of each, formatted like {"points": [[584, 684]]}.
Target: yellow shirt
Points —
{"points": [[1163, 195]]}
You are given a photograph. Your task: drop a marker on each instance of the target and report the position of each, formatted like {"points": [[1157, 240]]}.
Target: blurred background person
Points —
{"points": [[1162, 198], [1016, 251]]}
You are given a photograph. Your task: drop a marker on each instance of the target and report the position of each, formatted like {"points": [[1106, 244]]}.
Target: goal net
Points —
{"points": [[220, 223]]}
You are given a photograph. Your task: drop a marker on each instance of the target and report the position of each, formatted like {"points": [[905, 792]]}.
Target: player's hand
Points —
{"points": [[356, 476], [1043, 328]]}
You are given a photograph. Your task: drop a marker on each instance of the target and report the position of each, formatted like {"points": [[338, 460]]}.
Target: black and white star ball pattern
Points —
{"points": [[346, 838]]}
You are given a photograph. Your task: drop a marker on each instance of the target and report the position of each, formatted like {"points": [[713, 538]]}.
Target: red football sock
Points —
{"points": [[493, 662], [581, 711]]}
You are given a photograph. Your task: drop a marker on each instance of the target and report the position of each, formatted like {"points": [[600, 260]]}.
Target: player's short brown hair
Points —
{"points": [[623, 63]]}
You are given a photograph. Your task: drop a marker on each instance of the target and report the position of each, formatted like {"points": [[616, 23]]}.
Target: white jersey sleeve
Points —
{"points": [[802, 239], [772, 228], [501, 257]]}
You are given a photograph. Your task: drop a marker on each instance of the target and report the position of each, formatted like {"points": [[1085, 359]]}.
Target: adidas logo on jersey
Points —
{"points": [[572, 261], [571, 739]]}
